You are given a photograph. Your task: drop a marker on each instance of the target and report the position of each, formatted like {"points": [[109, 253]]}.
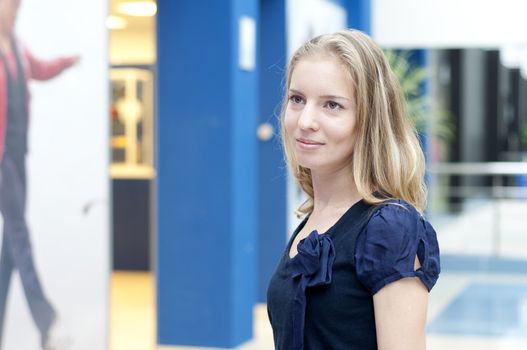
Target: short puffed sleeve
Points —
{"points": [[387, 246]]}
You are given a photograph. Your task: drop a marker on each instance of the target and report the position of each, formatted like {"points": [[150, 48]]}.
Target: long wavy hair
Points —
{"points": [[388, 162]]}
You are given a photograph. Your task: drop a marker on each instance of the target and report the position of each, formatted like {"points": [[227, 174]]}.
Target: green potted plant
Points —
{"points": [[436, 123], [412, 79]]}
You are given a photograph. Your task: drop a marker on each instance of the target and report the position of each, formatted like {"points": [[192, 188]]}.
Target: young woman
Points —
{"points": [[17, 67], [357, 271]]}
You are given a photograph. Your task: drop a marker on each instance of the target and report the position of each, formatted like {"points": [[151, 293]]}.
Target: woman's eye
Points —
{"points": [[296, 99], [332, 105]]}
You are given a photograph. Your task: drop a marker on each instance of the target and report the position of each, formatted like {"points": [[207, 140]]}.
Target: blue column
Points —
{"points": [[272, 191], [206, 166], [359, 15], [419, 59]]}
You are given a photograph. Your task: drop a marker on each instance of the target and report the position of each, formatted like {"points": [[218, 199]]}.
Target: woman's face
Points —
{"points": [[8, 12], [320, 114]]}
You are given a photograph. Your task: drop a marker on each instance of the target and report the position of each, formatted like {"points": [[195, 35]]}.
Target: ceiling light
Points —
{"points": [[137, 8], [115, 22]]}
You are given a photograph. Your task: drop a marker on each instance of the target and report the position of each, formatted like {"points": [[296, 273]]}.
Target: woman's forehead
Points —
{"points": [[322, 74]]}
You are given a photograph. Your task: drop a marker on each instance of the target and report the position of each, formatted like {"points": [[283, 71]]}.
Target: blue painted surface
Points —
{"points": [[272, 174], [244, 170], [359, 15], [485, 309], [464, 263], [341, 3], [206, 189]]}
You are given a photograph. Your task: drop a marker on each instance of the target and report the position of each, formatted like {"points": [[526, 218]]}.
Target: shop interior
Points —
{"points": [[131, 25]]}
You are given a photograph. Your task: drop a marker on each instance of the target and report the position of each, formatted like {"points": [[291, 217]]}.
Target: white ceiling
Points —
{"points": [[134, 23], [134, 44]]}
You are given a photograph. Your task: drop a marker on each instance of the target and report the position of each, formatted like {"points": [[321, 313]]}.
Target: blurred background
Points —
{"points": [[167, 133]]}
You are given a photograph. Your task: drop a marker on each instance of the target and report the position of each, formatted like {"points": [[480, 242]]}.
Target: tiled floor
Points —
{"points": [[132, 314], [479, 303], [485, 309], [479, 311], [467, 311]]}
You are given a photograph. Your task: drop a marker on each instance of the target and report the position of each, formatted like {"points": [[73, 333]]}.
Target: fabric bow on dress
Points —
{"points": [[313, 265]]}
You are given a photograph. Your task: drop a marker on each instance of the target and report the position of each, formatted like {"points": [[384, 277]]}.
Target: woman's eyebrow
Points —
{"points": [[295, 91], [331, 97], [322, 96]]}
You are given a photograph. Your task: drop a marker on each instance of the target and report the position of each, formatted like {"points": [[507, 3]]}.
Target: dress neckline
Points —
{"points": [[328, 232]]}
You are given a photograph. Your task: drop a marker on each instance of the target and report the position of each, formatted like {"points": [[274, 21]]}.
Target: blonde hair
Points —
{"points": [[388, 162]]}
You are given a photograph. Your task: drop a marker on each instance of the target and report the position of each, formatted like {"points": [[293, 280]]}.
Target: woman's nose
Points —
{"points": [[307, 119]]}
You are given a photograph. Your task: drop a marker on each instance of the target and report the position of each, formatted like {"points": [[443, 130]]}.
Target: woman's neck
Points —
{"points": [[334, 190], [5, 43]]}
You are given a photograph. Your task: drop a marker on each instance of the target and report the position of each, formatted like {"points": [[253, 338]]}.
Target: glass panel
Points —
{"points": [[132, 123]]}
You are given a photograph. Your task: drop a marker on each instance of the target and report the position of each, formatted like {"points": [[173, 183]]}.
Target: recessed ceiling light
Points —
{"points": [[116, 22], [137, 8]]}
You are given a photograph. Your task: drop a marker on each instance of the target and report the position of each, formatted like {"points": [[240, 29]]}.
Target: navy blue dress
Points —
{"points": [[323, 297]]}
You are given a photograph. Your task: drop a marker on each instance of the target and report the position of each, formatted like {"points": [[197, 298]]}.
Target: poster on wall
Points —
{"points": [[54, 246], [306, 19]]}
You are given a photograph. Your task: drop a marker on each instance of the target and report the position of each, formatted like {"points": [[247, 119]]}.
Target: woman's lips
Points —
{"points": [[308, 144]]}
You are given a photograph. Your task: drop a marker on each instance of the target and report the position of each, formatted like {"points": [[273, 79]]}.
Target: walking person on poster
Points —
{"points": [[17, 68]]}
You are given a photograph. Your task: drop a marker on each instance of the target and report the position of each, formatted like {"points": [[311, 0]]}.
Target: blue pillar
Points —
{"points": [[419, 59], [272, 193], [206, 170], [359, 15]]}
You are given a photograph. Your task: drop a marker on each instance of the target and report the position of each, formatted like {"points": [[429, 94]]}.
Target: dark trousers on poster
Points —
{"points": [[16, 251]]}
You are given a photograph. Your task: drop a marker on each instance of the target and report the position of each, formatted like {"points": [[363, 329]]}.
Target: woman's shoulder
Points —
{"points": [[390, 241], [396, 222], [394, 213]]}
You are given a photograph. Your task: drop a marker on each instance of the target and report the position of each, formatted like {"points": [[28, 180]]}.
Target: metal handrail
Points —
{"points": [[494, 169], [479, 168]]}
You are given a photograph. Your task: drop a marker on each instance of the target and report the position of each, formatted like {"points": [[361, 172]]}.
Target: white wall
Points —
{"points": [[449, 23], [515, 56], [306, 19], [67, 169], [454, 24], [309, 18]]}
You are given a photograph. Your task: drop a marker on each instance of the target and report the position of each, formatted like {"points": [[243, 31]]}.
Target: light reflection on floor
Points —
{"points": [[481, 311], [132, 313]]}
